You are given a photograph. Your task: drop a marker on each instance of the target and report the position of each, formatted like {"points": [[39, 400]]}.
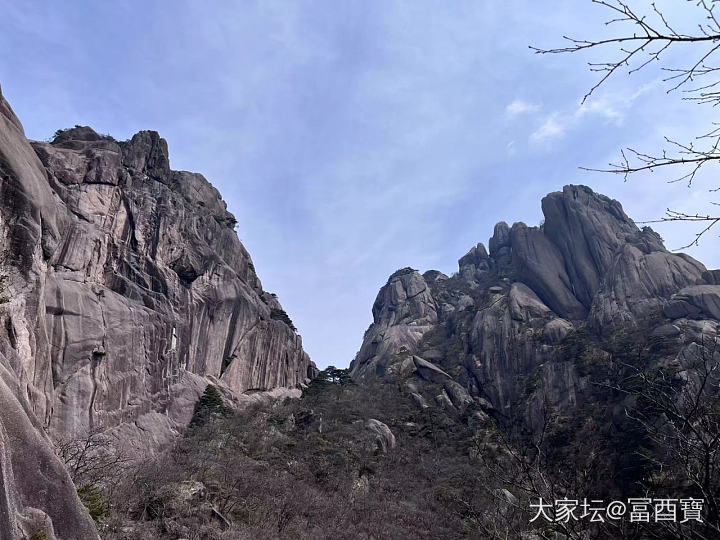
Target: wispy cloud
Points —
{"points": [[556, 125], [520, 107], [552, 128], [606, 108], [610, 108], [349, 138]]}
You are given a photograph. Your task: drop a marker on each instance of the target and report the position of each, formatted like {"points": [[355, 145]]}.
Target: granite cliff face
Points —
{"points": [[125, 291], [494, 333]]}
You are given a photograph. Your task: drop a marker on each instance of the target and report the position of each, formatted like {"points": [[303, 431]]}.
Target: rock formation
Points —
{"points": [[493, 334], [125, 291]]}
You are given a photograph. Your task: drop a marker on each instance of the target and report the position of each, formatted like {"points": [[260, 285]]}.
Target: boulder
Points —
{"points": [[525, 304], [667, 330], [418, 400], [459, 397], [678, 309], [697, 299], [557, 330], [430, 372], [383, 435]]}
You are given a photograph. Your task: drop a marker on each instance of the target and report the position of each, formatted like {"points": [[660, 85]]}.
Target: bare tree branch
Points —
{"points": [[643, 40]]}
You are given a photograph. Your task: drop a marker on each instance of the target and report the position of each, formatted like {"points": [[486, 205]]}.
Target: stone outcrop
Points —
{"points": [[37, 497], [542, 266], [124, 292], [403, 312], [587, 228], [495, 334], [384, 438], [695, 301]]}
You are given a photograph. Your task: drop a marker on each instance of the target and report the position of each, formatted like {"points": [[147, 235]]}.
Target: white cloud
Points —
{"points": [[614, 106], [611, 107], [603, 107], [519, 107], [552, 128]]}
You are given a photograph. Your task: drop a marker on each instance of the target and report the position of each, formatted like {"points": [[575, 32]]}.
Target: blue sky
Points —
{"points": [[352, 138]]}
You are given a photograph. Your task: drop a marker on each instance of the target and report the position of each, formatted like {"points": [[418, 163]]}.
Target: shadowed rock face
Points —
{"points": [[125, 291], [497, 326]]}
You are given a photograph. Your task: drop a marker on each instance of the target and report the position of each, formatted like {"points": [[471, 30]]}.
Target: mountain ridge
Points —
{"points": [[502, 318], [126, 292], [125, 295]]}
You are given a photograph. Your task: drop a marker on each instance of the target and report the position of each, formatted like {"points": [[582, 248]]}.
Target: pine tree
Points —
{"points": [[210, 404]]}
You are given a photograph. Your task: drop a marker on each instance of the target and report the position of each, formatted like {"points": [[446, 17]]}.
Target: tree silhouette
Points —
{"points": [[642, 41], [210, 404]]}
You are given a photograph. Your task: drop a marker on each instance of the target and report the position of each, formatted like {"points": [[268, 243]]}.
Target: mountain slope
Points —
{"points": [[125, 292]]}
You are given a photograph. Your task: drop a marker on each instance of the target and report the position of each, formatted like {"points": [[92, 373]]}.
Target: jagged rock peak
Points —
{"points": [[406, 295], [587, 228], [500, 238], [475, 257], [147, 152], [498, 324], [126, 291], [585, 196]]}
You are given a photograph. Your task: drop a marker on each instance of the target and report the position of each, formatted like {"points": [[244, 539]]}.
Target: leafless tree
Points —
{"points": [[678, 407], [528, 472], [644, 39], [92, 459]]}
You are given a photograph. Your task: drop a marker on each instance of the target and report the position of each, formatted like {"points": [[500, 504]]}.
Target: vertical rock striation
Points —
{"points": [[37, 497], [125, 291], [500, 326]]}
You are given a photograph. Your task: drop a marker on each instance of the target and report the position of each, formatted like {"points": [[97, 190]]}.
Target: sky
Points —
{"points": [[352, 138]]}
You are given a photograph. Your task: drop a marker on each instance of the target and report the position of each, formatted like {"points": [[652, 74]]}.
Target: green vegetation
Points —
{"points": [[311, 468], [402, 272], [59, 132], [280, 315], [93, 499], [323, 466], [4, 299], [210, 405]]}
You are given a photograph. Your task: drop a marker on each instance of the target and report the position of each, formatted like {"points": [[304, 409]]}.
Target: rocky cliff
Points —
{"points": [[125, 291], [496, 332]]}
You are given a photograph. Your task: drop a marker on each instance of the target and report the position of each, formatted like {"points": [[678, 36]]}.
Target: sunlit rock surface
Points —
{"points": [[124, 292], [501, 327]]}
